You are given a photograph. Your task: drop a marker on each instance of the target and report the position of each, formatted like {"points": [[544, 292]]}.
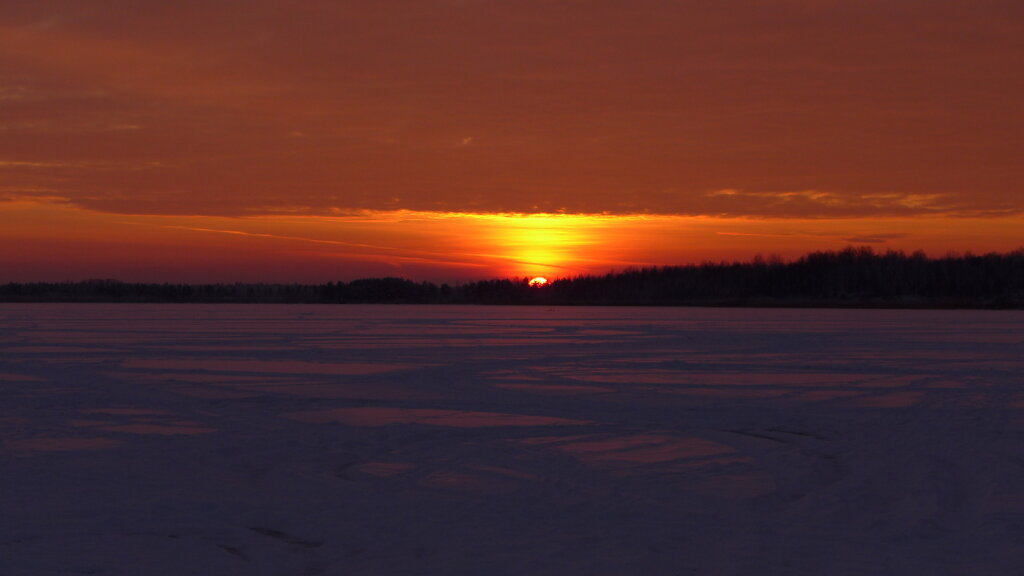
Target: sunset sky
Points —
{"points": [[447, 140]]}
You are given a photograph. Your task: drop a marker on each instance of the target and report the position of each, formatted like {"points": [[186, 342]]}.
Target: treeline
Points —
{"points": [[854, 277]]}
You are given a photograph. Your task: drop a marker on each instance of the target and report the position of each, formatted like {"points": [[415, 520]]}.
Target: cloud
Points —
{"points": [[29, 164], [824, 204], [839, 108], [875, 238], [16, 194]]}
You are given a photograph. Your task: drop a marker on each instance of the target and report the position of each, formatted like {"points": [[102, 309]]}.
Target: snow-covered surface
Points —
{"points": [[376, 440]]}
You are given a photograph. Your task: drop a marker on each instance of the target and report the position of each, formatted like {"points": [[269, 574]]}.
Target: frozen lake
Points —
{"points": [[379, 440]]}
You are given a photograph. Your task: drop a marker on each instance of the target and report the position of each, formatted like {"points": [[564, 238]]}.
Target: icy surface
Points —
{"points": [[376, 440]]}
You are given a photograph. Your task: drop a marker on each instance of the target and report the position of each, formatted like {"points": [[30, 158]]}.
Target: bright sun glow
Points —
{"points": [[539, 244], [435, 246], [538, 281]]}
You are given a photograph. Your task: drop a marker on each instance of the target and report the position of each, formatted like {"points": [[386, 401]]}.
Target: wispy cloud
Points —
{"points": [[875, 238], [279, 237], [30, 164], [753, 234], [832, 204]]}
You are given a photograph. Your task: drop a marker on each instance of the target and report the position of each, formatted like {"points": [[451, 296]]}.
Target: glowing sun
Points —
{"points": [[538, 281]]}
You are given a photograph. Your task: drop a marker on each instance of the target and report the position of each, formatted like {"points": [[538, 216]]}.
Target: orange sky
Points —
{"points": [[461, 139]]}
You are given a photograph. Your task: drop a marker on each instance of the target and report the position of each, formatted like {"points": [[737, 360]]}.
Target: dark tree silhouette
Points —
{"points": [[851, 277]]}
